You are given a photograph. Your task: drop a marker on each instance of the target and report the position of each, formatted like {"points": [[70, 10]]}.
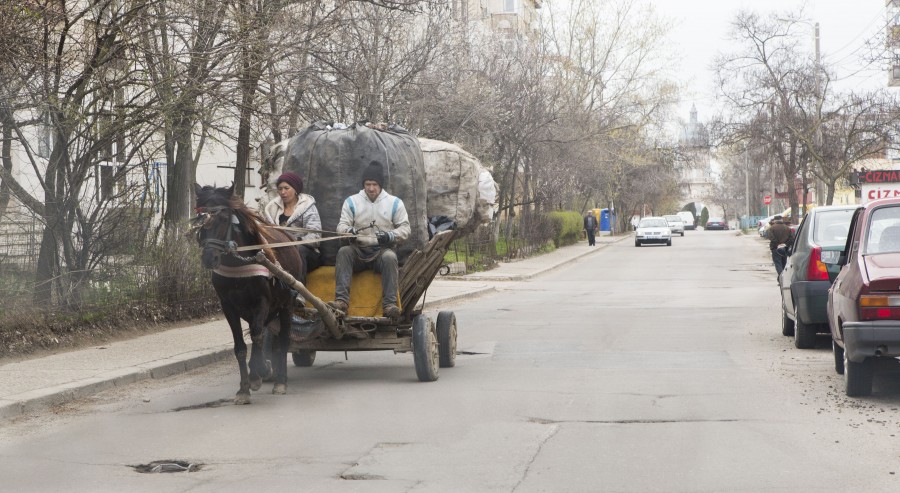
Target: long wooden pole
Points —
{"points": [[324, 310]]}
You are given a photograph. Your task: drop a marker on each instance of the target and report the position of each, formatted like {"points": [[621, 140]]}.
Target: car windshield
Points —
{"points": [[831, 227], [884, 231], [673, 219], [715, 220], [653, 222]]}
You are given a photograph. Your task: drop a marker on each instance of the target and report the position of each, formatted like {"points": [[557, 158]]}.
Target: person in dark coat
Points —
{"points": [[779, 234], [590, 226]]}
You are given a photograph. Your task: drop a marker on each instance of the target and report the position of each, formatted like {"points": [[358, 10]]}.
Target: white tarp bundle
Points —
{"points": [[458, 186]]}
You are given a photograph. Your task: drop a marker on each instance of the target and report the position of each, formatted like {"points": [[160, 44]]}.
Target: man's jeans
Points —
{"points": [[779, 260], [348, 262]]}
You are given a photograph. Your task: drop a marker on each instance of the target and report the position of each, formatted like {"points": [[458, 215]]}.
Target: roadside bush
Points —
{"points": [[704, 216], [567, 226]]}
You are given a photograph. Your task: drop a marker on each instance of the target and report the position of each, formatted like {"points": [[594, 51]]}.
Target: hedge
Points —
{"points": [[567, 227]]}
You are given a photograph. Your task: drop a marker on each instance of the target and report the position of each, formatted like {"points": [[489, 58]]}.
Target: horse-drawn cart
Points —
{"points": [[317, 327]]}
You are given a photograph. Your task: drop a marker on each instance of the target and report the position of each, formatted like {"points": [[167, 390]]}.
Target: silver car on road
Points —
{"points": [[676, 224], [653, 230]]}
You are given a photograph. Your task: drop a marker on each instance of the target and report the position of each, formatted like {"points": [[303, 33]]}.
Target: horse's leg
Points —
{"points": [[280, 347], [240, 353], [257, 356]]}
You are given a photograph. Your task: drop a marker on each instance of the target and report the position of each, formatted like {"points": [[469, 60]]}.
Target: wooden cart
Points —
{"points": [[433, 343]]}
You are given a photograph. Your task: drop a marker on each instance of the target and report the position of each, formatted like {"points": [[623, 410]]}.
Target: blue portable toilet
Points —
{"points": [[604, 220]]}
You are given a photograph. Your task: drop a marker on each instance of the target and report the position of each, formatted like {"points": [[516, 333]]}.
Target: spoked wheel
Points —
{"points": [[425, 349], [303, 357], [858, 376], [446, 336]]}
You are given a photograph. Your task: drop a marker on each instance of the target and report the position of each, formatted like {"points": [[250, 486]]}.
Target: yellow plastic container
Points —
{"points": [[365, 290]]}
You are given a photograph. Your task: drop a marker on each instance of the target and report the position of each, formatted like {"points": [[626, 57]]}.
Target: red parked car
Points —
{"points": [[864, 301]]}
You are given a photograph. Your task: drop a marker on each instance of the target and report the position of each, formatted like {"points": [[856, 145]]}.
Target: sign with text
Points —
{"points": [[875, 191], [878, 176]]}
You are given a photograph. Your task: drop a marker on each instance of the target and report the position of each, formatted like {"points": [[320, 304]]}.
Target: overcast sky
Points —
{"points": [[700, 28]]}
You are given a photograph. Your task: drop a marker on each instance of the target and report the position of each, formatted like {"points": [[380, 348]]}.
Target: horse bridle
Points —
{"points": [[227, 246]]}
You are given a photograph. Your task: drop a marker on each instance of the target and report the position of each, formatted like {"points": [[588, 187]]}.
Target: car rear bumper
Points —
{"points": [[687, 228], [811, 301], [875, 338]]}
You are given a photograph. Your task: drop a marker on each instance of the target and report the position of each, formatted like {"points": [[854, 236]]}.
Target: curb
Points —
{"points": [[525, 277], [42, 399], [477, 293]]}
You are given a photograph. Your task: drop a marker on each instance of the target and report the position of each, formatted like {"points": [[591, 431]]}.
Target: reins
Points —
{"points": [[229, 247]]}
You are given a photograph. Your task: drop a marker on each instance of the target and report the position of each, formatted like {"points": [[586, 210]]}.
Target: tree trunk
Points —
{"points": [[6, 158], [180, 177]]}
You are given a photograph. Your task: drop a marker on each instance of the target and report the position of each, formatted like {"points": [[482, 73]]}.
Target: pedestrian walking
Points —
{"points": [[590, 226], [779, 234]]}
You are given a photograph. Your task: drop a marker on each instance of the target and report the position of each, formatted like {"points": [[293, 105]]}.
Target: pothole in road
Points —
{"points": [[205, 405], [168, 465]]}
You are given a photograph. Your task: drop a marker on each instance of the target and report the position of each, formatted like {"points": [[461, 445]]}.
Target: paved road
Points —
{"points": [[634, 369]]}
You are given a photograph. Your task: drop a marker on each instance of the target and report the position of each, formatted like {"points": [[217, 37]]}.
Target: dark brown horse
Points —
{"points": [[246, 289]]}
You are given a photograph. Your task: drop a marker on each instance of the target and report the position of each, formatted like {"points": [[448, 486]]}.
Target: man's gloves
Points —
{"points": [[384, 237]]}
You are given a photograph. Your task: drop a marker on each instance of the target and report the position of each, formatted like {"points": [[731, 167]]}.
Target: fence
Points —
{"points": [[500, 241], [751, 222]]}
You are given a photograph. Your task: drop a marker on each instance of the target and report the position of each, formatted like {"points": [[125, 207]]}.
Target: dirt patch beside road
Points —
{"points": [[30, 333]]}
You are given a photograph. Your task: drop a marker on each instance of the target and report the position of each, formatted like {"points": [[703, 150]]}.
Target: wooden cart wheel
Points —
{"points": [[303, 357], [446, 336], [425, 349]]}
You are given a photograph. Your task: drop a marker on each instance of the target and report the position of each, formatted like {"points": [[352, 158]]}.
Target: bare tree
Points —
{"points": [[71, 117], [770, 90]]}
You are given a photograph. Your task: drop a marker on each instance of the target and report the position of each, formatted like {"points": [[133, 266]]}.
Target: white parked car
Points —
{"points": [[688, 218], [653, 230], [676, 224]]}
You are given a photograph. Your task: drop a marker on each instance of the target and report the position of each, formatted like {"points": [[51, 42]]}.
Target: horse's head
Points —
{"points": [[218, 228]]}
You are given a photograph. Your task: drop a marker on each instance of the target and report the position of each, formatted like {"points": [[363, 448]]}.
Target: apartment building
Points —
{"points": [[514, 17]]}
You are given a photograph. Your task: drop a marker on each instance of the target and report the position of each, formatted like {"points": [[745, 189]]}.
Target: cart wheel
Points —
{"points": [[303, 357], [425, 349], [446, 336]]}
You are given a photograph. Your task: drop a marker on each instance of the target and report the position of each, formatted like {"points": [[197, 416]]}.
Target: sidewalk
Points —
{"points": [[34, 384]]}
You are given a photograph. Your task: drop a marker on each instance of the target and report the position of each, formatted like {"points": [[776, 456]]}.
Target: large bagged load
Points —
{"points": [[459, 187], [331, 162]]}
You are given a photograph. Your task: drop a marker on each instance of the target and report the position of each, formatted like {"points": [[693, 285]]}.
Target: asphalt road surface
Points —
{"points": [[652, 369]]}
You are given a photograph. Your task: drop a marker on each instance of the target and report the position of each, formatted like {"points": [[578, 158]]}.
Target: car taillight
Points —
{"points": [[816, 270], [879, 307]]}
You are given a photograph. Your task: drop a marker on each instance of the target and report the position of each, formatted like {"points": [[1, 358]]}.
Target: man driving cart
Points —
{"points": [[379, 221]]}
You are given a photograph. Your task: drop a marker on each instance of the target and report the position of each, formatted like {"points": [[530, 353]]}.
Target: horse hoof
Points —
{"points": [[279, 389], [241, 399], [255, 384]]}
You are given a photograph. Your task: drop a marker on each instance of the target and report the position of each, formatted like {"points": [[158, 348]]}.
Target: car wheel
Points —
{"points": [[838, 357], [858, 376], [787, 325], [669, 243], [637, 243], [804, 335], [682, 233]]}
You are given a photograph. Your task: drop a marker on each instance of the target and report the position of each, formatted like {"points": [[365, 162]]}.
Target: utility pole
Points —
{"points": [[819, 184], [747, 180]]}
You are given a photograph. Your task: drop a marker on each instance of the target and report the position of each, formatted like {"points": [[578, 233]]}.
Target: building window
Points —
{"points": [[509, 5]]}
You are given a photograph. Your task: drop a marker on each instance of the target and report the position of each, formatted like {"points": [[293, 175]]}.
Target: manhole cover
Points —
{"points": [[168, 466]]}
